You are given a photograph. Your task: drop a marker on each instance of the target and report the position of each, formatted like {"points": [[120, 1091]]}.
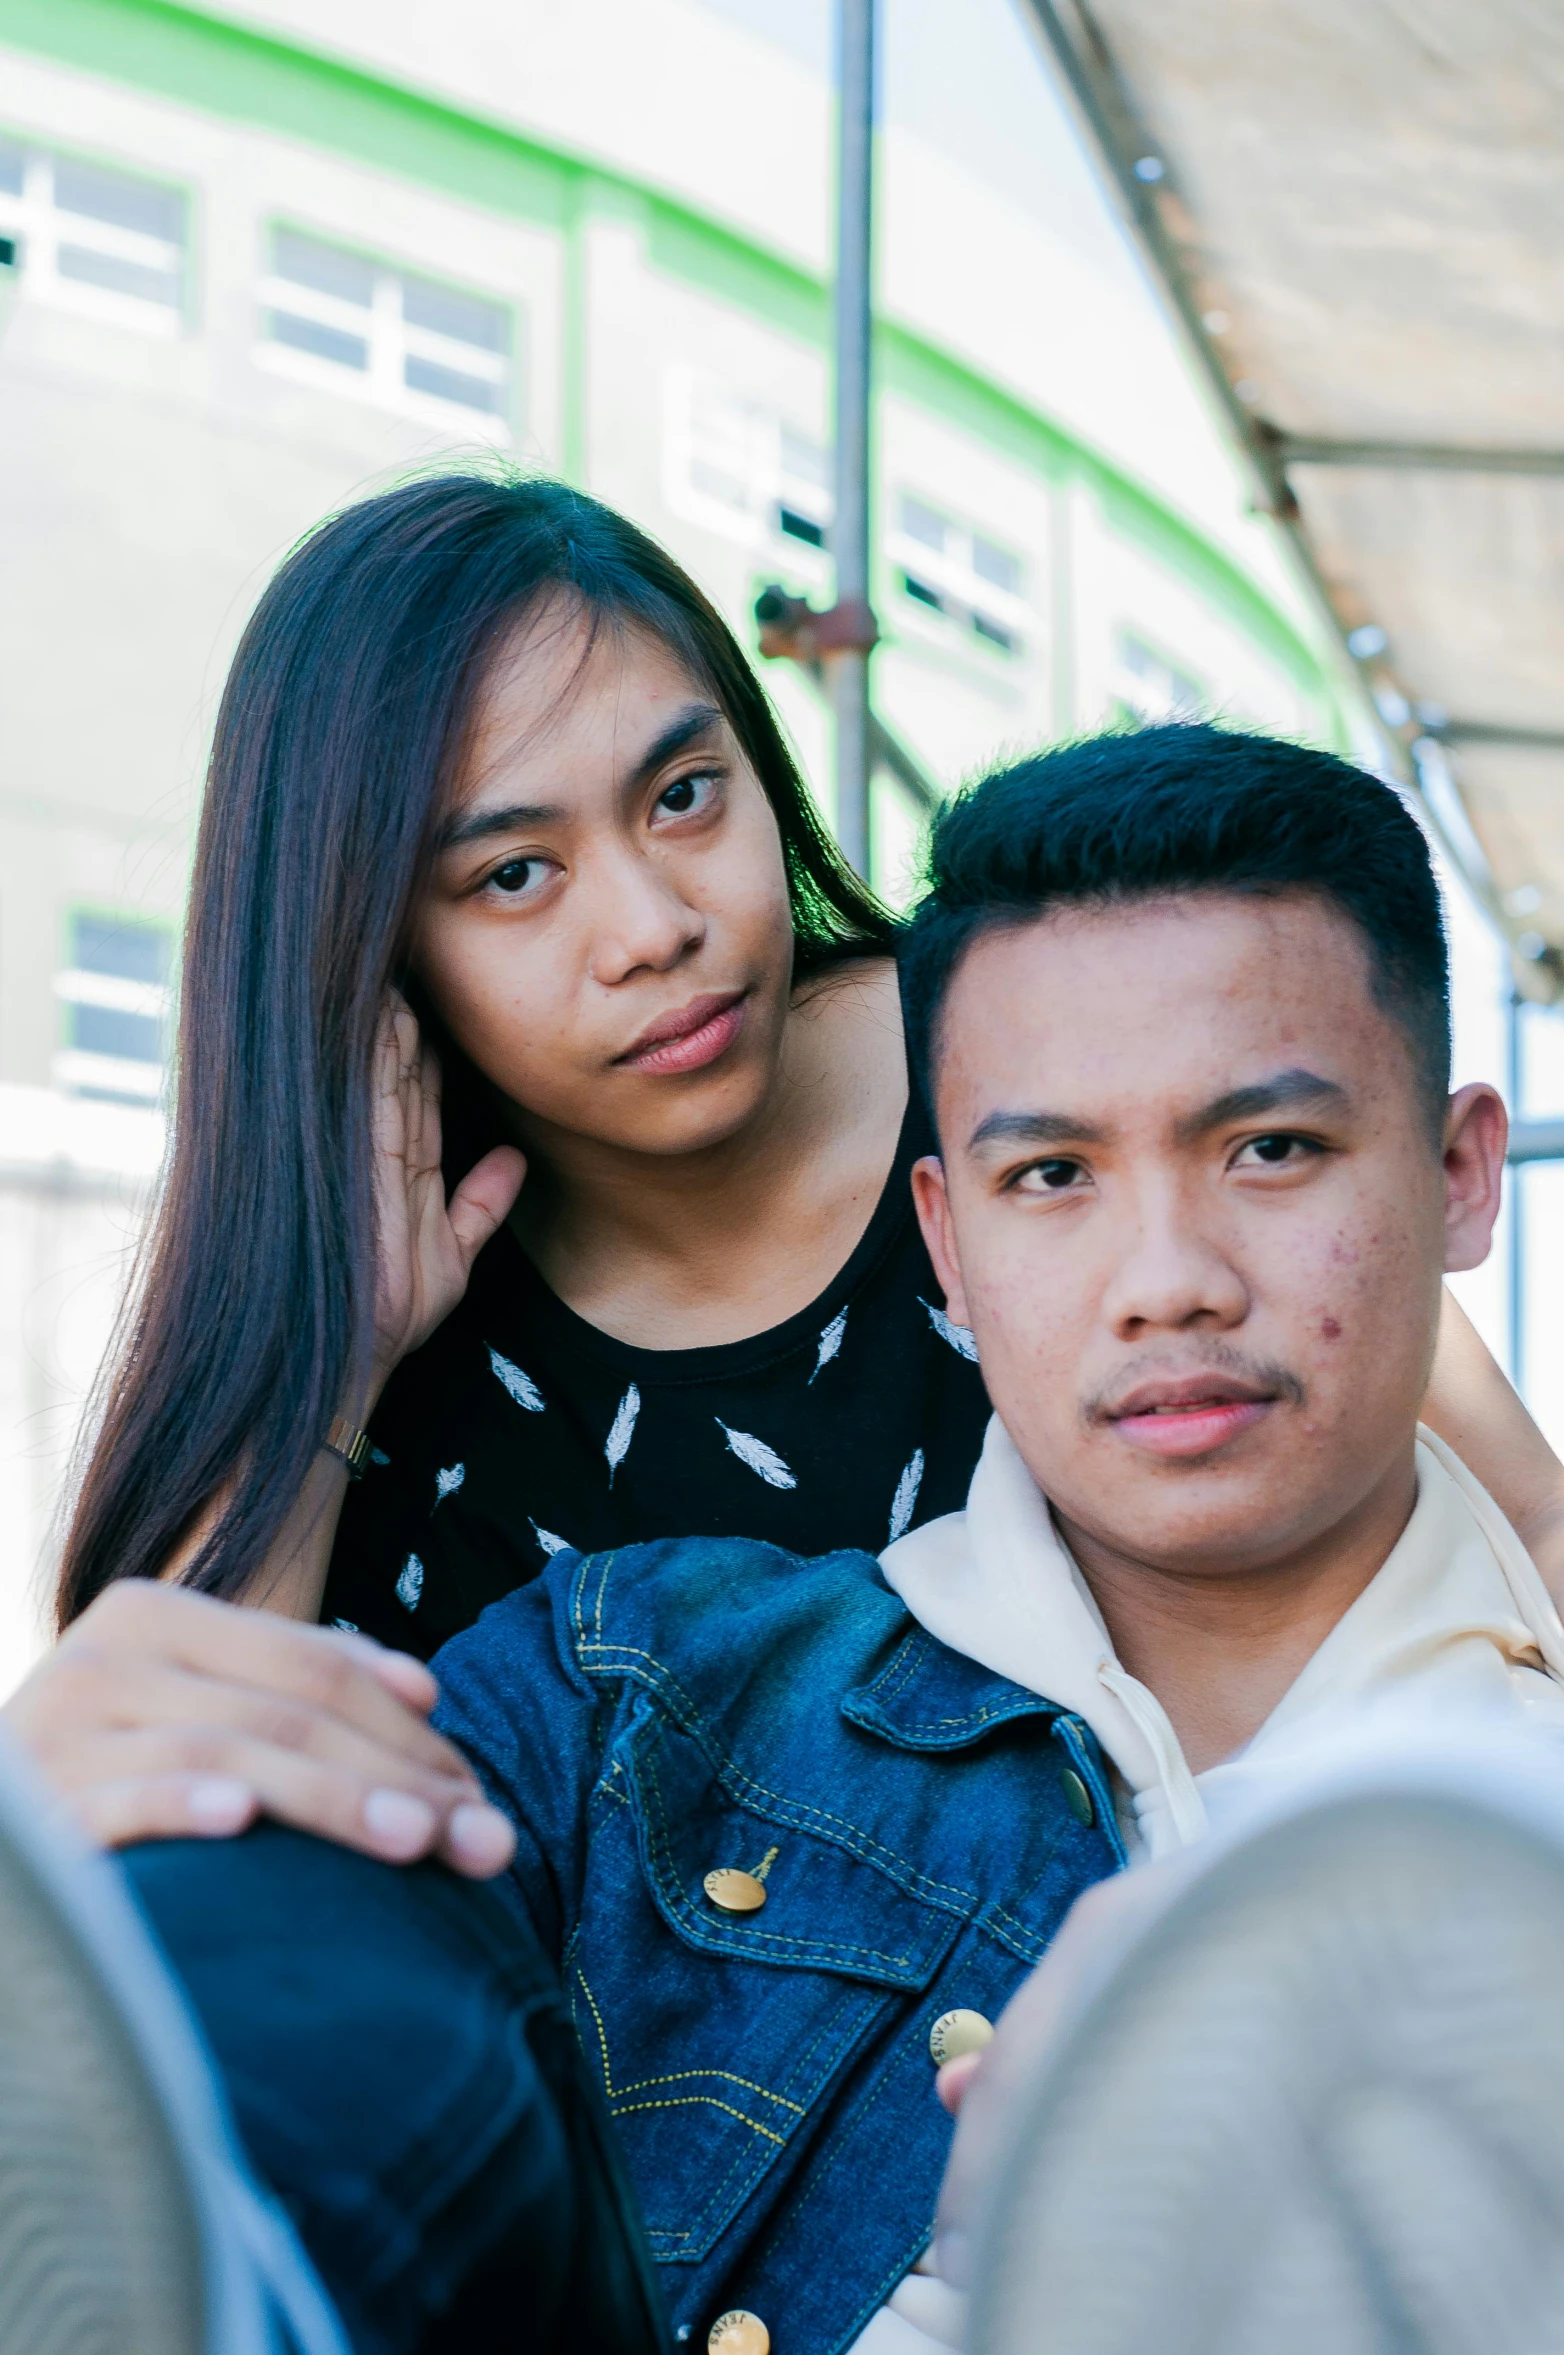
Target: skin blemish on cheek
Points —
{"points": [[1330, 1330]]}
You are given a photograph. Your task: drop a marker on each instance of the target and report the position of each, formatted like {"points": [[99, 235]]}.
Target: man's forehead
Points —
{"points": [[1181, 999]]}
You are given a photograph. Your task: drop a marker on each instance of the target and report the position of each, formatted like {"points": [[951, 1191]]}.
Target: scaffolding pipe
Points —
{"points": [[848, 668]]}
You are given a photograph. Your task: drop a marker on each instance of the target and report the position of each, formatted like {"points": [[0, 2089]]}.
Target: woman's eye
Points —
{"points": [[1274, 1152], [515, 876], [686, 794], [1056, 1175]]}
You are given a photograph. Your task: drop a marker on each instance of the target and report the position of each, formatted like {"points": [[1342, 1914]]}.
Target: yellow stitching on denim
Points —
{"points": [[695, 2100], [728, 2077], [597, 1616], [602, 2032], [615, 2092]]}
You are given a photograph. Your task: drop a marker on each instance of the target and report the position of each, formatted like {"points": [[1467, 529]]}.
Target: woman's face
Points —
{"points": [[606, 930]]}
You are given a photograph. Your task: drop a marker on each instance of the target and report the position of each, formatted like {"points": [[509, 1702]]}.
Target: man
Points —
{"points": [[1179, 1001]]}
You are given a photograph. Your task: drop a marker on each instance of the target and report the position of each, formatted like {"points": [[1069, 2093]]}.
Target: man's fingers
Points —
{"points": [[953, 2079], [484, 1197]]}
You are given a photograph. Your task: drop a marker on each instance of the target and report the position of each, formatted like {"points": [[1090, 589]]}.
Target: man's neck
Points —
{"points": [[1220, 1649]]}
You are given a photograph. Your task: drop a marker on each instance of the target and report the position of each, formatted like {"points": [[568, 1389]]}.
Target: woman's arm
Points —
{"points": [[1477, 1412]]}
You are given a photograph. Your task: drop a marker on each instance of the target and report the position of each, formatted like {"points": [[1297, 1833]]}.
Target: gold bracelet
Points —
{"points": [[347, 1441]]}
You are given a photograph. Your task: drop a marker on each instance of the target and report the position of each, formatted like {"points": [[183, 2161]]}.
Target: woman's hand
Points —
{"points": [[162, 1714], [425, 1246]]}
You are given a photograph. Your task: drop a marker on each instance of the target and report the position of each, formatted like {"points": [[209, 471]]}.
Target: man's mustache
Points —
{"points": [[1261, 1377]]}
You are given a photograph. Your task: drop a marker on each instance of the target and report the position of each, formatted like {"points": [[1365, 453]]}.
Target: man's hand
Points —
{"points": [[163, 1714]]}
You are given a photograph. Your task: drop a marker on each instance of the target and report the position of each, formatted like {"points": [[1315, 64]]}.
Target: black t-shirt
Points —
{"points": [[519, 1429]]}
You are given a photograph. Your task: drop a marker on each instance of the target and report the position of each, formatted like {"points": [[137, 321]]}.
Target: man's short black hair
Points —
{"points": [[1185, 808]]}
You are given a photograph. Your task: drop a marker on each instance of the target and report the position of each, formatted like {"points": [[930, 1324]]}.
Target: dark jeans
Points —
{"points": [[404, 2075]]}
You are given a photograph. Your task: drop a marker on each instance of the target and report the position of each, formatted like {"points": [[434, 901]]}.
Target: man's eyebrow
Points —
{"points": [[1033, 1128], [1286, 1091], [696, 719]]}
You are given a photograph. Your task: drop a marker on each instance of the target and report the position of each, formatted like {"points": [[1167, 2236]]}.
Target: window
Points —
{"points": [[1150, 688], [337, 318], [738, 465], [116, 1007], [92, 239], [953, 569]]}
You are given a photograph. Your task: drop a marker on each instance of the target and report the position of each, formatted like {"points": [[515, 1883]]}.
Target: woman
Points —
{"points": [[485, 744], [487, 750]]}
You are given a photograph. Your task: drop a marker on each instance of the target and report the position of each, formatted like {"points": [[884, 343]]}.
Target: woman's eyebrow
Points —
{"points": [[697, 719], [479, 824]]}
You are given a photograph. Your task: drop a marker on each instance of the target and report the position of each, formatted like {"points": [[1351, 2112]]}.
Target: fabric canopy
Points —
{"points": [[1359, 207]]}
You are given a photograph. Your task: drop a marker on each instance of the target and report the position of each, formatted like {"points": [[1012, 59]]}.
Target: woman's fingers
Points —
{"points": [[158, 1698], [118, 1811], [385, 1696], [213, 1764], [484, 1198]]}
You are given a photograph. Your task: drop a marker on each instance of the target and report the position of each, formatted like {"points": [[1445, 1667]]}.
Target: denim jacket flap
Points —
{"points": [[930, 1698], [837, 1900]]}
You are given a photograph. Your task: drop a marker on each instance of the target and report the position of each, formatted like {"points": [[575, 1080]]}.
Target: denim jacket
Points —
{"points": [[646, 1715]]}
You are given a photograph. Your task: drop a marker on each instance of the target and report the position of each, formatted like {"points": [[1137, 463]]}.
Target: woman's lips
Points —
{"points": [[1192, 1430], [705, 1030]]}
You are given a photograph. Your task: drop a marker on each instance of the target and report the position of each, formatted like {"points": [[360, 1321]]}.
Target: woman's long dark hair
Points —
{"points": [[339, 735]]}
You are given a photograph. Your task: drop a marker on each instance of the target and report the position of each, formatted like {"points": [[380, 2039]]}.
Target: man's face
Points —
{"points": [[1189, 1205]]}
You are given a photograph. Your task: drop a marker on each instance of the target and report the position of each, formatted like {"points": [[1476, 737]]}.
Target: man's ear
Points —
{"points": [[1477, 1129], [939, 1234]]}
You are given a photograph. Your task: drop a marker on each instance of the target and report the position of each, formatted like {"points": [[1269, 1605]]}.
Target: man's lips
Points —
{"points": [[696, 1035], [1189, 1416]]}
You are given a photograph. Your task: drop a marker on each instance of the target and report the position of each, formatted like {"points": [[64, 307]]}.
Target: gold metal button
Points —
{"points": [[956, 2033], [1077, 1797], [735, 1892], [738, 2333]]}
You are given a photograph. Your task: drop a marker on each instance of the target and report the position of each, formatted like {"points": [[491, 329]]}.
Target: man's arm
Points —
{"points": [[1478, 1413]]}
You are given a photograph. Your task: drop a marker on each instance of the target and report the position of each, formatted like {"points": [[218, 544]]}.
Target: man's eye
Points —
{"points": [[686, 794], [1274, 1152], [1056, 1175]]}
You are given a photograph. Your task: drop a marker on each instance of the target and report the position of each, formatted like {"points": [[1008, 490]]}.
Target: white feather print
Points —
{"points": [[958, 1336], [906, 1497], [377, 1455], [411, 1583], [447, 1483], [551, 1544], [759, 1457], [521, 1386], [617, 1445], [830, 1342], [348, 1626]]}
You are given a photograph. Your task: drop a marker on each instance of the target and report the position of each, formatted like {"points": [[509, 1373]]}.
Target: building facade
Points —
{"points": [[263, 264]]}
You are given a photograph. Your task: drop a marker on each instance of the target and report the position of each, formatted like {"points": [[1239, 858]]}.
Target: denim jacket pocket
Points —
{"points": [[721, 2037]]}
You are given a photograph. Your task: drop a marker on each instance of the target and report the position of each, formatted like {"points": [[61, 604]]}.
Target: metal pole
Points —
{"points": [[1515, 1045], [848, 669]]}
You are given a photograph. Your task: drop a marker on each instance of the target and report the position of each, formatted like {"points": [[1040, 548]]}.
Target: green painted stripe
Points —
{"points": [[201, 61]]}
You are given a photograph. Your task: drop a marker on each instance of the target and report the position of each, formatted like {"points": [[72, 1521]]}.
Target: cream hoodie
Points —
{"points": [[1457, 1606]]}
